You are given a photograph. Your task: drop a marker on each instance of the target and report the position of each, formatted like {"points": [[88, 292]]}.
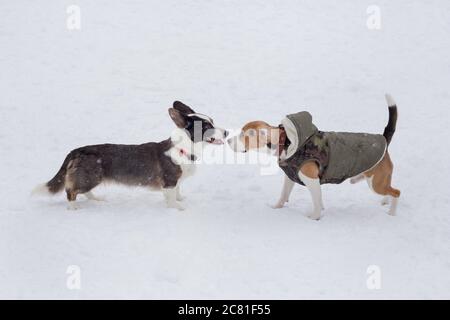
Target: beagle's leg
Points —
{"points": [[309, 175], [385, 200], [179, 197], [288, 185], [357, 179], [379, 180], [393, 208], [170, 194], [321, 200]]}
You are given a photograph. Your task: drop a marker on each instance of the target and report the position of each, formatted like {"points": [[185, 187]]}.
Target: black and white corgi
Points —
{"points": [[157, 165]]}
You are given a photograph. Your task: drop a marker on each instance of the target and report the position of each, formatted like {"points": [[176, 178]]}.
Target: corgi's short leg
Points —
{"points": [[170, 195], [72, 206], [179, 197], [72, 197], [288, 185], [309, 175]]}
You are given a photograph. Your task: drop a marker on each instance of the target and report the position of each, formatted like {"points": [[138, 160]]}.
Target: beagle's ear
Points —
{"points": [[178, 118], [180, 106]]}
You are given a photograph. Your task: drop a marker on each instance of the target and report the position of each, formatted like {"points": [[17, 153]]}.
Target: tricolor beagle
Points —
{"points": [[324, 157]]}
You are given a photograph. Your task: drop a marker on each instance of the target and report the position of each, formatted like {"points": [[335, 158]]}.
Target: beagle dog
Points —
{"points": [[259, 135]]}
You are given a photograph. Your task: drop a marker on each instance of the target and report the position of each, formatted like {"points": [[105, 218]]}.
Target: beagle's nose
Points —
{"points": [[225, 133]]}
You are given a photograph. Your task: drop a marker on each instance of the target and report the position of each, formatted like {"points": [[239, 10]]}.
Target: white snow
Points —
{"points": [[236, 61]]}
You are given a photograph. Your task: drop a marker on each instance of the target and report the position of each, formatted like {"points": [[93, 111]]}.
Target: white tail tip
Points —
{"points": [[390, 101], [40, 190]]}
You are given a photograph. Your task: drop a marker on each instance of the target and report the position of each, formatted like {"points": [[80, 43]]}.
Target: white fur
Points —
{"points": [[357, 178], [393, 208], [291, 133], [72, 205], [288, 185], [41, 189], [385, 200], [201, 116], [370, 183], [181, 141], [218, 133], [179, 197], [170, 194], [236, 144], [91, 196], [315, 190], [390, 101]]}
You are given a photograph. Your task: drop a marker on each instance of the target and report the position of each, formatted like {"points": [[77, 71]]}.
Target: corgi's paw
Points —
{"points": [[72, 206]]}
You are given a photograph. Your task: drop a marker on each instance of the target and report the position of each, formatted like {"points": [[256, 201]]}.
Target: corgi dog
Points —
{"points": [[156, 165]]}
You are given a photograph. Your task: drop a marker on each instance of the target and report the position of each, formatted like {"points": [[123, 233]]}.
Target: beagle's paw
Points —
{"points": [[175, 205], [314, 216]]}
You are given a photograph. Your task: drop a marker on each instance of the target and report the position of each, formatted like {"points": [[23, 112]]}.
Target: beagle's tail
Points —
{"points": [[392, 122]]}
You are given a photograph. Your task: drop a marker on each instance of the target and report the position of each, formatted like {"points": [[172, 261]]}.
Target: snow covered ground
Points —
{"points": [[113, 80]]}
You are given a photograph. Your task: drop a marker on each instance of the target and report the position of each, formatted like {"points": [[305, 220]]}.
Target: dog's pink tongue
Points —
{"points": [[218, 141]]}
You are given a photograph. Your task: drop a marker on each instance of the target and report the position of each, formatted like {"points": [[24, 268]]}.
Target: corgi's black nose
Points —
{"points": [[225, 133]]}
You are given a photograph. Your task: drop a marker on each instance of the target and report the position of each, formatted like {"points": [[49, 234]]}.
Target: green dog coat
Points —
{"points": [[339, 155]]}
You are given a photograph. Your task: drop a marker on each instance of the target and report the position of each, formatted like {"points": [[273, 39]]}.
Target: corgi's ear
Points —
{"points": [[178, 118], [180, 106]]}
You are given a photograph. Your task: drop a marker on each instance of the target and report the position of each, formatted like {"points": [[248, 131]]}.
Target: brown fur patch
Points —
{"points": [[382, 176], [310, 169]]}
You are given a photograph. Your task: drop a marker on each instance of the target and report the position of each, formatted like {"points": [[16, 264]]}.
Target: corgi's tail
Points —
{"points": [[40, 190], [389, 130], [56, 184]]}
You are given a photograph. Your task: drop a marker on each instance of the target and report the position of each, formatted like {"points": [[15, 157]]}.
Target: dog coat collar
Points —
{"points": [[298, 128]]}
